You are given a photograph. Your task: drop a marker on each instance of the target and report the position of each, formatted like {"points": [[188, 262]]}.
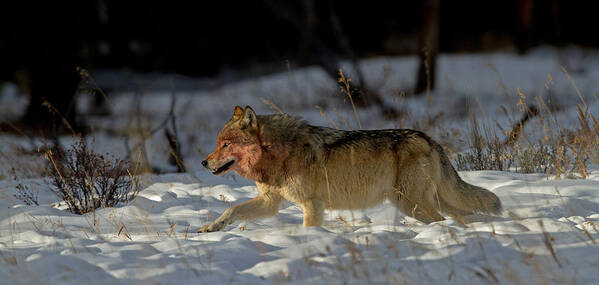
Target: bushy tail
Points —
{"points": [[469, 198], [460, 198]]}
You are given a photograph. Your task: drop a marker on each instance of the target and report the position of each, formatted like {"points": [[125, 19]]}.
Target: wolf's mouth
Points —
{"points": [[224, 167]]}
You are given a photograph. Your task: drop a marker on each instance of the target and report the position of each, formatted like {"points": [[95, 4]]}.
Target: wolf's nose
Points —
{"points": [[205, 163]]}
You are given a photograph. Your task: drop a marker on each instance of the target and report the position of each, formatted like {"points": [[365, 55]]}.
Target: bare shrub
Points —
{"points": [[491, 153], [87, 181], [27, 195], [485, 152], [535, 158], [560, 152]]}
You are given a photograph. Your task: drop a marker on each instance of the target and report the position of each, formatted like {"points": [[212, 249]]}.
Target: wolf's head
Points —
{"points": [[238, 145]]}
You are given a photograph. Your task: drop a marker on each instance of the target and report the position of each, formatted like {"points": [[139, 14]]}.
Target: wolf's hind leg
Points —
{"points": [[313, 211], [412, 191], [422, 212], [450, 210]]}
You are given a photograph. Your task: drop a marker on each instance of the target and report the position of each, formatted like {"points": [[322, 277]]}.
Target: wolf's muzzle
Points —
{"points": [[223, 168]]}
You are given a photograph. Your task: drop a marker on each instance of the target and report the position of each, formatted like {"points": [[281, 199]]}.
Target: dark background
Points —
{"points": [[42, 42]]}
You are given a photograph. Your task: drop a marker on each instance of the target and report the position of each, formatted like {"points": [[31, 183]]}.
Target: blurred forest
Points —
{"points": [[43, 42]]}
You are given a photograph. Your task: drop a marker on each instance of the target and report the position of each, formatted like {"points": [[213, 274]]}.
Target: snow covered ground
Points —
{"points": [[153, 240], [548, 234]]}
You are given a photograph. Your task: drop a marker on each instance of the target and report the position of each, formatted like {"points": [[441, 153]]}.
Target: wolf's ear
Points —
{"points": [[237, 114], [249, 118]]}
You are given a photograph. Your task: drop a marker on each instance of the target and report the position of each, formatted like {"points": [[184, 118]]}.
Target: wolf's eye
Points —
{"points": [[225, 145]]}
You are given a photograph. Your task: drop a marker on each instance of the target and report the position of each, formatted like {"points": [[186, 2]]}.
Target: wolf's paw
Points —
{"points": [[212, 227], [205, 229]]}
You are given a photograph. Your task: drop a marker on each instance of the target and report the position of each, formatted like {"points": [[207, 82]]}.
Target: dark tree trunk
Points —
{"points": [[51, 49], [53, 86], [524, 38], [314, 50], [428, 44]]}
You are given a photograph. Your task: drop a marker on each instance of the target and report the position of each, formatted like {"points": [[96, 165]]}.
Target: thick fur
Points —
{"points": [[322, 168]]}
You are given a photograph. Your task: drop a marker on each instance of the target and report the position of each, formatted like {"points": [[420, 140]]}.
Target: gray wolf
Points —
{"points": [[322, 168]]}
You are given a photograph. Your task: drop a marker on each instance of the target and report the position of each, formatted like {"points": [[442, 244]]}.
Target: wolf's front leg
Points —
{"points": [[264, 205], [313, 211]]}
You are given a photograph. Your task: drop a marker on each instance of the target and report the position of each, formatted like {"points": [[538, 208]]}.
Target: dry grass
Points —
{"points": [[556, 150], [87, 181]]}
